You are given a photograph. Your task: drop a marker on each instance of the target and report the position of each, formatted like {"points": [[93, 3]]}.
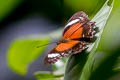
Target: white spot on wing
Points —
{"points": [[62, 53], [81, 18], [53, 55], [70, 51], [83, 36], [72, 22]]}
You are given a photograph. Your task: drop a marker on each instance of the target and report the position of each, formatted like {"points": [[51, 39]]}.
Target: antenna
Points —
{"points": [[45, 44]]}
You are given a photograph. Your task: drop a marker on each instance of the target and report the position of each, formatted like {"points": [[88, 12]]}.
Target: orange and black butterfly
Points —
{"points": [[77, 33]]}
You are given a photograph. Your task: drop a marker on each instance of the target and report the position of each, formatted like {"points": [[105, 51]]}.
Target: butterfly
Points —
{"points": [[77, 34]]}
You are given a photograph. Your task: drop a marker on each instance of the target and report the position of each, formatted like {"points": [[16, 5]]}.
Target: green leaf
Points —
{"points": [[74, 66], [47, 76], [116, 67], [99, 65], [78, 66], [23, 52]]}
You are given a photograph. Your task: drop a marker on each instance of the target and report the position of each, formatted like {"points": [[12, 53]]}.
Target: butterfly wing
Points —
{"points": [[89, 30], [64, 49], [79, 26], [75, 31], [78, 15]]}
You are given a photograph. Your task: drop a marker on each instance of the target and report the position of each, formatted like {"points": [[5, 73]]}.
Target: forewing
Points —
{"points": [[61, 50], [78, 15], [64, 49], [79, 26], [55, 55], [75, 31], [74, 24]]}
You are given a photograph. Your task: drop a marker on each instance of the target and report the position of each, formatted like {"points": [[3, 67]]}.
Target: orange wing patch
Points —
{"points": [[66, 46], [77, 34], [75, 31]]}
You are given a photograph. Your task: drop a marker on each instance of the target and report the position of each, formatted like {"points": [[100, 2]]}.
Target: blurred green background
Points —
{"points": [[21, 18]]}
